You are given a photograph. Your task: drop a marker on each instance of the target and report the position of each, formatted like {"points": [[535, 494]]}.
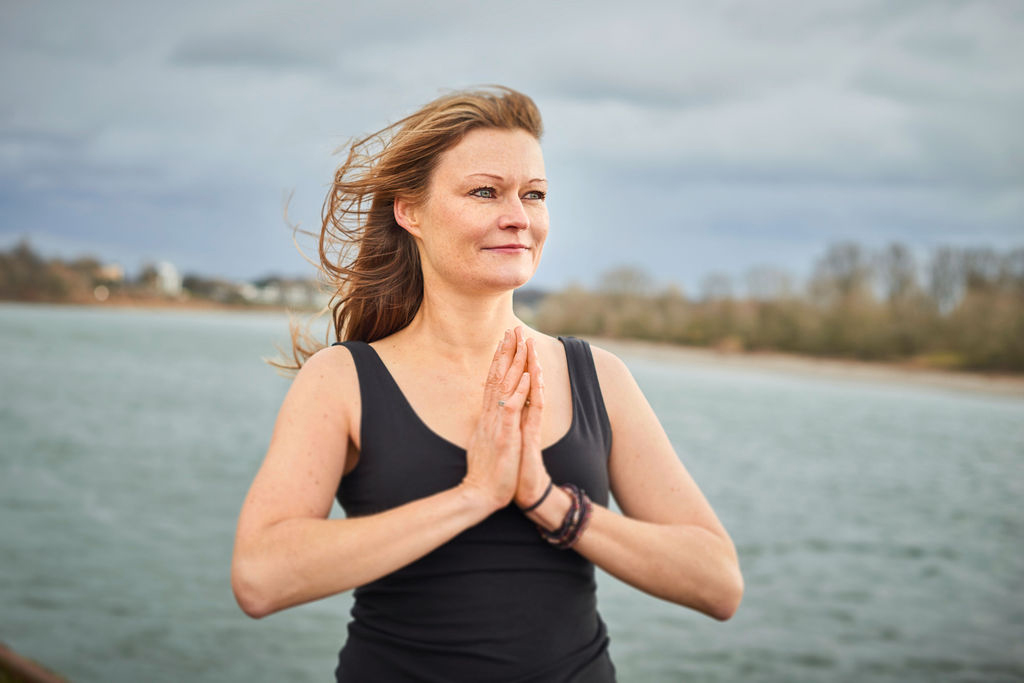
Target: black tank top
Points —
{"points": [[497, 602]]}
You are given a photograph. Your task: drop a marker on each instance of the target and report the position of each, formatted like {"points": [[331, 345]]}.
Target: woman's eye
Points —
{"points": [[484, 192], [536, 194]]}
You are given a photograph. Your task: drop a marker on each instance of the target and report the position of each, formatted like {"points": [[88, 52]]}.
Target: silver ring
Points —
{"points": [[501, 403]]}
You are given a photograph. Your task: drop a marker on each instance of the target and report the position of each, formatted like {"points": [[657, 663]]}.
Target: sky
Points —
{"points": [[683, 138]]}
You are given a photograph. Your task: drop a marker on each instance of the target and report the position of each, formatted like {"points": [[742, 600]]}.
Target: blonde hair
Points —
{"points": [[379, 291]]}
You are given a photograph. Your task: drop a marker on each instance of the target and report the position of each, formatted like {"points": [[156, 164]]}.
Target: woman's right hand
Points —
{"points": [[492, 457]]}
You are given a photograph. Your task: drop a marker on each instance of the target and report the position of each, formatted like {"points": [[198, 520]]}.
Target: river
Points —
{"points": [[879, 526]]}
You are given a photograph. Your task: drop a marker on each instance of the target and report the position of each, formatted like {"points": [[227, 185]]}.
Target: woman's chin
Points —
{"points": [[514, 281], [500, 280], [494, 281]]}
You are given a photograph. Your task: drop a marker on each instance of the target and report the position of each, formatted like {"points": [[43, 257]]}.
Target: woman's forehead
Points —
{"points": [[495, 152]]}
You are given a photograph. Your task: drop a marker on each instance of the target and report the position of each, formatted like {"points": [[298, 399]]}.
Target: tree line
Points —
{"points": [[27, 276], [963, 308]]}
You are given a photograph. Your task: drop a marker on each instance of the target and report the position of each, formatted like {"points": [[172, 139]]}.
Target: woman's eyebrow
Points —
{"points": [[502, 178]]}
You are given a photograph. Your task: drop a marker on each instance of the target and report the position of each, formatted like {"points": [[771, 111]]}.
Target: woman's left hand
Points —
{"points": [[533, 476]]}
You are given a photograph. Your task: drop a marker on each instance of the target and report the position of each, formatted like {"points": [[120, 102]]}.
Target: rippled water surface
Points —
{"points": [[879, 527]]}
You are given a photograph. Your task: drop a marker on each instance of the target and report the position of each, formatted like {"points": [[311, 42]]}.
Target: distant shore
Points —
{"points": [[993, 383], [164, 303]]}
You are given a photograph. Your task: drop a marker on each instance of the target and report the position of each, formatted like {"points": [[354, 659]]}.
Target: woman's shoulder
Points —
{"points": [[619, 389], [611, 371], [336, 358], [329, 375]]}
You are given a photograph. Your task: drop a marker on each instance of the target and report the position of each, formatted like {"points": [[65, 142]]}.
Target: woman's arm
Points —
{"points": [[668, 542], [286, 550]]}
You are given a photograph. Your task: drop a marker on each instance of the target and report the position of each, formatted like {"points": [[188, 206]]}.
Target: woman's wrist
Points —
{"points": [[549, 514], [478, 500], [531, 490], [575, 521], [539, 500]]}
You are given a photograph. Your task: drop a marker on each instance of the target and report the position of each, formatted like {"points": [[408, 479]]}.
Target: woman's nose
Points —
{"points": [[514, 215]]}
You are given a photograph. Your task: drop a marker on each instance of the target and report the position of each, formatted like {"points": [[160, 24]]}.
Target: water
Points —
{"points": [[878, 526]]}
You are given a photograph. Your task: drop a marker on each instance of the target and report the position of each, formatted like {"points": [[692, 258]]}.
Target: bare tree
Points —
{"points": [[945, 279], [626, 281], [897, 271], [842, 273], [716, 286], [980, 267], [1012, 271], [768, 283]]}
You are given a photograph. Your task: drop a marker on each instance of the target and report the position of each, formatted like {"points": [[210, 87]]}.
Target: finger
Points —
{"points": [[499, 365], [513, 405], [535, 400], [536, 397], [530, 426], [518, 366]]}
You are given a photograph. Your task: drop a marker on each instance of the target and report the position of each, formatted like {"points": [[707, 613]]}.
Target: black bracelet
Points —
{"points": [[544, 496], [586, 509], [562, 532], [576, 519], [568, 533]]}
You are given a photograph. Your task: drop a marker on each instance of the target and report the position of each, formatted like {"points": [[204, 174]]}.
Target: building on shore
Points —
{"points": [[168, 279]]}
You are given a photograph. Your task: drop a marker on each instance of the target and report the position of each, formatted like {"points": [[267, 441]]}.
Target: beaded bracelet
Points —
{"points": [[584, 522], [575, 522], [559, 534]]}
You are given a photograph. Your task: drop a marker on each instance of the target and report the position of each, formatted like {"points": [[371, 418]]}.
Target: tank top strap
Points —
{"points": [[368, 367], [376, 386], [591, 417]]}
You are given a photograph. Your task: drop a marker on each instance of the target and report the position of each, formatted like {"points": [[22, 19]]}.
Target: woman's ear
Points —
{"points": [[406, 215]]}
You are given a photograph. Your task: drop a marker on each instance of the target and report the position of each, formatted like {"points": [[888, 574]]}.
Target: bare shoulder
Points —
{"points": [[329, 363], [617, 384], [328, 385], [307, 452], [609, 365], [327, 367]]}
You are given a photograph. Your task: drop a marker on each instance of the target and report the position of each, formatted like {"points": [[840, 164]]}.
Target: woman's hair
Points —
{"points": [[378, 292]]}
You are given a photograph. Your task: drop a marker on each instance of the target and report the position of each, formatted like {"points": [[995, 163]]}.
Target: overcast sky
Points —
{"points": [[681, 137]]}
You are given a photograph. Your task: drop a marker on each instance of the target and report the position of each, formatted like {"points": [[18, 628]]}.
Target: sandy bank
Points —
{"points": [[873, 371]]}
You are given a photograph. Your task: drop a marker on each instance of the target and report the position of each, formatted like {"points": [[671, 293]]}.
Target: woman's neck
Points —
{"points": [[461, 326]]}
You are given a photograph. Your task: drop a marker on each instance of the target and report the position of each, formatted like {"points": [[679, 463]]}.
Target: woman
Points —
{"points": [[475, 455]]}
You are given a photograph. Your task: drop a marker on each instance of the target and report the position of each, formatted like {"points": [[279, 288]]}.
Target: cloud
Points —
{"points": [[262, 52], [777, 126]]}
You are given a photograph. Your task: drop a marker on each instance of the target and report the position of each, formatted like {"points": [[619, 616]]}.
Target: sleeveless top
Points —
{"points": [[497, 602]]}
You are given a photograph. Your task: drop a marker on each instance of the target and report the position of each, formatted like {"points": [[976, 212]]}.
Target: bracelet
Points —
{"points": [[562, 532], [543, 497], [575, 522]]}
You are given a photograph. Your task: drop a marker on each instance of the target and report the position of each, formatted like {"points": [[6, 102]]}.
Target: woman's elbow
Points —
{"points": [[248, 592], [728, 597], [719, 593]]}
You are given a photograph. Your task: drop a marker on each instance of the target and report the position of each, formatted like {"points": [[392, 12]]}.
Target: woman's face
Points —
{"points": [[483, 225]]}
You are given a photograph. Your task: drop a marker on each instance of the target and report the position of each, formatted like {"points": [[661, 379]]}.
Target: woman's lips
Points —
{"points": [[508, 248]]}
